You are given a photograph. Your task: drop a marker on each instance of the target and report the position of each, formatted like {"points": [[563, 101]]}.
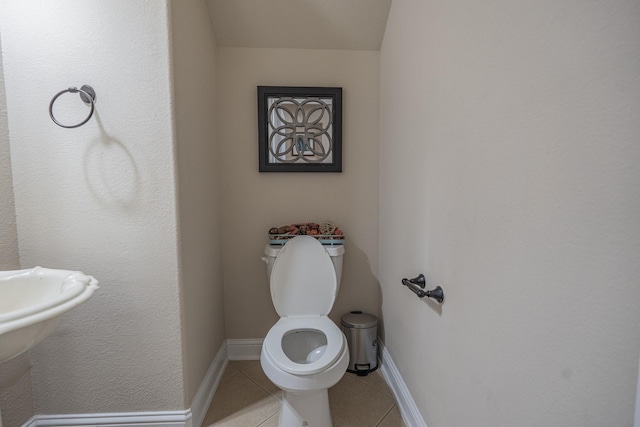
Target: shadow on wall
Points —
{"points": [[398, 287], [107, 163], [359, 289], [429, 286]]}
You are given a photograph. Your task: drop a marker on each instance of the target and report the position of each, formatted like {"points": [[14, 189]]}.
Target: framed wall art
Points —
{"points": [[299, 129]]}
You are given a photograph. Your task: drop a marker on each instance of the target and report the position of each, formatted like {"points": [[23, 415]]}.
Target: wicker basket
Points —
{"points": [[325, 239]]}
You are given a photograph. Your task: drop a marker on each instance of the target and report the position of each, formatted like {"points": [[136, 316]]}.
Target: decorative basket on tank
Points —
{"points": [[327, 233]]}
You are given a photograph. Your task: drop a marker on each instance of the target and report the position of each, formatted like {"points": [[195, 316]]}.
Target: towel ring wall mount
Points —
{"points": [[87, 95]]}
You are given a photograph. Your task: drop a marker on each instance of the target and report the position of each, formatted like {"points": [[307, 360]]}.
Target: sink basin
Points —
{"points": [[32, 301]]}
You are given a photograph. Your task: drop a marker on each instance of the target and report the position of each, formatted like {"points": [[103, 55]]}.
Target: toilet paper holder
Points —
{"points": [[417, 285]]}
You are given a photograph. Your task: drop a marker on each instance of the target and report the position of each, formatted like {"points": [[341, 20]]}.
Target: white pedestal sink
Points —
{"points": [[31, 303]]}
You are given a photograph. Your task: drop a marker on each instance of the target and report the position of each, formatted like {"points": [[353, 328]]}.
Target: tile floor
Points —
{"points": [[246, 398]]}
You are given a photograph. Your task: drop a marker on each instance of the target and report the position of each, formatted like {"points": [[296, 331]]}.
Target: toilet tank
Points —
{"points": [[335, 252]]}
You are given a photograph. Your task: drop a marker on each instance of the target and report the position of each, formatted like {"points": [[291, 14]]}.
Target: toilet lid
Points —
{"points": [[303, 279]]}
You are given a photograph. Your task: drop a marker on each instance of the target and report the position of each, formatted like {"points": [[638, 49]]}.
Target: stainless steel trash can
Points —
{"points": [[361, 330]]}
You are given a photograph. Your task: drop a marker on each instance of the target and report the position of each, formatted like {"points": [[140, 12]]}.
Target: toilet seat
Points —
{"points": [[273, 343]]}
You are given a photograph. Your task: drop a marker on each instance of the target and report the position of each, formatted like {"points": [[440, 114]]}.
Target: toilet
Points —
{"points": [[304, 353]]}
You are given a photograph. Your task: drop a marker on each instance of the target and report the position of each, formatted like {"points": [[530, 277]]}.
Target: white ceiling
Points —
{"points": [[304, 24]]}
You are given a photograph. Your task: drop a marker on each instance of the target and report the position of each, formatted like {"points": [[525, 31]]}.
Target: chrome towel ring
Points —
{"points": [[87, 94]]}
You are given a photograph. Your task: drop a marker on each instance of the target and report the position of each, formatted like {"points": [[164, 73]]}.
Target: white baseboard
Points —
{"points": [[408, 408], [130, 419], [231, 349], [244, 349], [208, 386], [188, 418]]}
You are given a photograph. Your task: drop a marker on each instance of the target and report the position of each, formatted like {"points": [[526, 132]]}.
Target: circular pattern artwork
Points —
{"points": [[299, 130]]}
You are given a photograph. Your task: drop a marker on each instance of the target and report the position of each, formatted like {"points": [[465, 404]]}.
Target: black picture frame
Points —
{"points": [[331, 133]]}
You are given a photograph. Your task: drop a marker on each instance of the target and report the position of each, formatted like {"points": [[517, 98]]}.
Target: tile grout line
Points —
{"points": [[393, 400], [231, 375], [266, 391], [394, 404], [376, 372], [386, 413], [355, 377], [268, 418], [259, 385], [240, 371], [236, 366]]}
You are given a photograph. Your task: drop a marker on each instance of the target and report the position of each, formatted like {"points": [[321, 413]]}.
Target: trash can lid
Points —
{"points": [[359, 320]]}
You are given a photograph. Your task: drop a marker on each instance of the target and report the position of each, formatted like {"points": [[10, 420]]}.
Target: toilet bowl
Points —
{"points": [[304, 353]]}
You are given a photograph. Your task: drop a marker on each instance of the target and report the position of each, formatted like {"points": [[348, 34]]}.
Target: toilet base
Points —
{"points": [[308, 408]]}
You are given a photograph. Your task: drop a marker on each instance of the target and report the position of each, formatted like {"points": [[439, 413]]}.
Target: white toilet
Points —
{"points": [[304, 353]]}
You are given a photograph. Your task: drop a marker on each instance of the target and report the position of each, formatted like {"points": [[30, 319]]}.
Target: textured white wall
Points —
{"points": [[9, 258], [511, 128], [16, 402], [99, 198], [193, 59], [16, 397], [252, 202]]}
